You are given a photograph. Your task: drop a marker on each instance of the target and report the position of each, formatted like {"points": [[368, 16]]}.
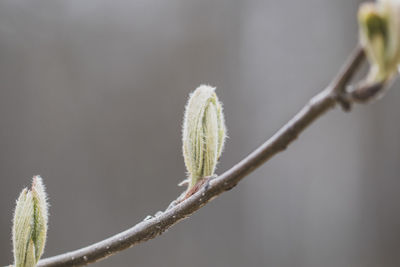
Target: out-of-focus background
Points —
{"points": [[92, 98]]}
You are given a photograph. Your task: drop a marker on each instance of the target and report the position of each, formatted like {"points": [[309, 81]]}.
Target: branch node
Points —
{"points": [[344, 101]]}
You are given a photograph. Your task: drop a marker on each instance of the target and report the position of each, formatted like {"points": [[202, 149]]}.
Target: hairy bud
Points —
{"points": [[204, 133], [380, 36], [30, 225]]}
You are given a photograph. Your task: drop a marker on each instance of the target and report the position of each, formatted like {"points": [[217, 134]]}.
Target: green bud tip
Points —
{"points": [[203, 134], [30, 225], [380, 36]]}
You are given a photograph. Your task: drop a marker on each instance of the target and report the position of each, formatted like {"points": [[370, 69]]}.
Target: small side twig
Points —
{"points": [[365, 92], [362, 92]]}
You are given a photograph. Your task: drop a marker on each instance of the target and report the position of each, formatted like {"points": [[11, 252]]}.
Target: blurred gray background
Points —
{"points": [[92, 98]]}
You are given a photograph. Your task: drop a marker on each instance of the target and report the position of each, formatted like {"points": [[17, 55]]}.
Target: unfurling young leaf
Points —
{"points": [[30, 225], [380, 36]]}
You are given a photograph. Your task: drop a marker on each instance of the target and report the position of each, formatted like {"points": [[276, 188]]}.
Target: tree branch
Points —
{"points": [[148, 229]]}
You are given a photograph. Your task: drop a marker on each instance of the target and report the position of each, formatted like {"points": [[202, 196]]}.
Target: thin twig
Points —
{"points": [[155, 226], [344, 76], [347, 72]]}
